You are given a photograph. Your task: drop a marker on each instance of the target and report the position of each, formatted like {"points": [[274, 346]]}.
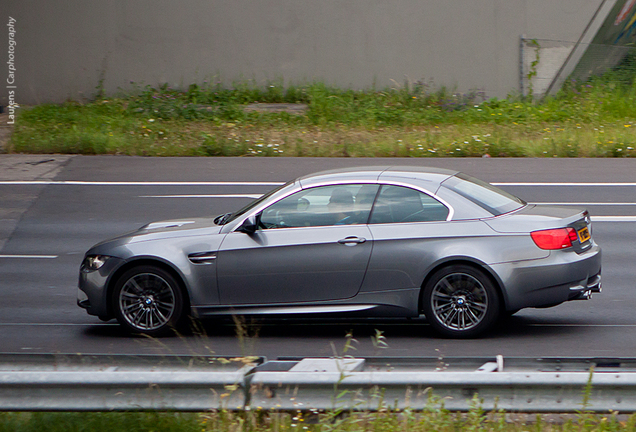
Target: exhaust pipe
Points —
{"points": [[594, 284]]}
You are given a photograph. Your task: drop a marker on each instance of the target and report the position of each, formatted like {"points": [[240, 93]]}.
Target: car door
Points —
{"points": [[313, 245], [407, 226]]}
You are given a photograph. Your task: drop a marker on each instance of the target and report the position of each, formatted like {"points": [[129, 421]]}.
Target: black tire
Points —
{"points": [[147, 300], [460, 301]]}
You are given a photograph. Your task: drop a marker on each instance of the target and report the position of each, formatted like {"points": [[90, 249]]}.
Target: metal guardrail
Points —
{"points": [[122, 383], [120, 391], [125, 383]]}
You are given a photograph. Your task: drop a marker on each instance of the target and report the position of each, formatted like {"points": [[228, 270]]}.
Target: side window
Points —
{"points": [[322, 206], [402, 204]]}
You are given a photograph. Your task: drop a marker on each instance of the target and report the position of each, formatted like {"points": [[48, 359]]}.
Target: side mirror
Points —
{"points": [[250, 225]]}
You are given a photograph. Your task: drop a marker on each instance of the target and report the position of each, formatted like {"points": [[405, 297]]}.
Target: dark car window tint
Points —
{"points": [[401, 204], [485, 195], [322, 206]]}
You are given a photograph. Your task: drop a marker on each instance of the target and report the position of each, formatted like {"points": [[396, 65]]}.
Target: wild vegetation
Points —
{"points": [[596, 118], [388, 420]]}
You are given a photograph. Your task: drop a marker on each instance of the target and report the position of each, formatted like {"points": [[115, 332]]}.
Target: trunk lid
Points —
{"points": [[535, 217]]}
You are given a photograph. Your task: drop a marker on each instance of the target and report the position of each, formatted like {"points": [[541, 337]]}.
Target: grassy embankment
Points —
{"points": [[593, 119], [438, 420]]}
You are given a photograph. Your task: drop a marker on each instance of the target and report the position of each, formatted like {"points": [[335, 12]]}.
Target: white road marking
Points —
{"points": [[57, 324], [594, 218], [247, 183], [411, 323], [204, 196], [29, 256], [580, 325], [114, 323], [119, 183], [613, 218]]}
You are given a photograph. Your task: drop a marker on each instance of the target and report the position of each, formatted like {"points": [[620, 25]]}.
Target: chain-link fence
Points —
{"points": [[547, 64]]}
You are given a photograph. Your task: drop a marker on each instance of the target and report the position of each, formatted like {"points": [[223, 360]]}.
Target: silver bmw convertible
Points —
{"points": [[367, 242]]}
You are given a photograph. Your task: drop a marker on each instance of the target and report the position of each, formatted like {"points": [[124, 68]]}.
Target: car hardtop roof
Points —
{"points": [[375, 173]]}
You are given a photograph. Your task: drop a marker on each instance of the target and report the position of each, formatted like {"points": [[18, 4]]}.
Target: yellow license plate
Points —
{"points": [[584, 234]]}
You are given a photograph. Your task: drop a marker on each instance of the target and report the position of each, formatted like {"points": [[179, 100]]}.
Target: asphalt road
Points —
{"points": [[53, 208]]}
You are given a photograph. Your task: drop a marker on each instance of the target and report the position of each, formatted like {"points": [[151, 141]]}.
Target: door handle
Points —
{"points": [[352, 240]]}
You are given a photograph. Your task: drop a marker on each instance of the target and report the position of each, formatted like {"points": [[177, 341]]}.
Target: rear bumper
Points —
{"points": [[562, 276], [584, 292]]}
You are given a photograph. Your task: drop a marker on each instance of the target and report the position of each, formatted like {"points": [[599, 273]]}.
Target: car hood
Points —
{"points": [[176, 228], [178, 225], [166, 229]]}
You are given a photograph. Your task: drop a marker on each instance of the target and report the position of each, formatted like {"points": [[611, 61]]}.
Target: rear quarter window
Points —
{"points": [[485, 195]]}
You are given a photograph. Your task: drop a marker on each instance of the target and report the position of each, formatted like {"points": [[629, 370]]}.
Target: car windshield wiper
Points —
{"points": [[221, 219]]}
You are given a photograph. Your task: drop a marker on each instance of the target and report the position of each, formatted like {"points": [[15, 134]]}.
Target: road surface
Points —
{"points": [[53, 208]]}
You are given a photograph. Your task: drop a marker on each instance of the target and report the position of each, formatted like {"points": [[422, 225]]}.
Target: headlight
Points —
{"points": [[93, 262]]}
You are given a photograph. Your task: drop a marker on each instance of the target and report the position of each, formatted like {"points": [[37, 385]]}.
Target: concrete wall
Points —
{"points": [[64, 48]]}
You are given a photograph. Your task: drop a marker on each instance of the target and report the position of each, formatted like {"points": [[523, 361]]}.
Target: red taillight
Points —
{"points": [[553, 239]]}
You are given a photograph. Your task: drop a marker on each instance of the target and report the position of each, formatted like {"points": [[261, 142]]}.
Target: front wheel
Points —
{"points": [[147, 300], [460, 301]]}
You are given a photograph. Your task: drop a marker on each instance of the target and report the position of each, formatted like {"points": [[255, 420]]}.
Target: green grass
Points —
{"points": [[383, 421], [112, 422], [592, 119]]}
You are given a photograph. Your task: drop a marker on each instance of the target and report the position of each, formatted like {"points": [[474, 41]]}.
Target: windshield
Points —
{"points": [[485, 195], [226, 219]]}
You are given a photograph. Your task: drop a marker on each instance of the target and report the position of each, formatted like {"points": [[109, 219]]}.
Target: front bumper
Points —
{"points": [[82, 299], [93, 293]]}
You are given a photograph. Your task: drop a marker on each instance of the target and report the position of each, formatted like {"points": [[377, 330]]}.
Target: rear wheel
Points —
{"points": [[460, 301], [147, 300]]}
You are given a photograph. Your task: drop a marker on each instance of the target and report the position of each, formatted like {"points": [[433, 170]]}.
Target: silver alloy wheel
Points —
{"points": [[147, 301], [459, 301]]}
